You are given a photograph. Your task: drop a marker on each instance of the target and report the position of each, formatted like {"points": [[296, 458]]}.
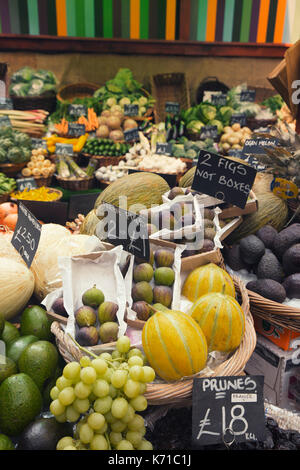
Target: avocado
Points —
{"points": [[43, 434], [2, 323], [251, 249], [291, 260], [233, 258], [15, 348], [268, 288], [269, 267], [6, 443], [8, 367], [267, 235], [34, 321], [285, 239], [10, 333], [20, 403], [292, 286]]}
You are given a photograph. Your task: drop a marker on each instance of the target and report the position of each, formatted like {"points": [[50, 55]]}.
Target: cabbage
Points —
{"points": [[224, 115], [195, 126], [20, 138], [19, 89], [2, 155], [217, 123], [15, 155], [23, 75], [206, 112], [35, 88]]}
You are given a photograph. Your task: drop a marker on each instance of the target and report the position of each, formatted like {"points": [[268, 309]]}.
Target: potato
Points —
{"points": [[226, 146], [236, 126]]}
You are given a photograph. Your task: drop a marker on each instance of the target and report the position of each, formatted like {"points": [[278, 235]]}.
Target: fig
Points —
{"points": [[163, 295], [208, 223], [185, 221], [164, 257], [160, 308], [164, 276], [87, 336], [93, 297], [108, 332], [181, 208], [85, 316], [107, 312], [164, 219], [208, 245], [209, 233], [151, 229], [138, 260], [175, 192], [142, 291], [208, 214], [58, 307], [143, 272], [142, 309]]}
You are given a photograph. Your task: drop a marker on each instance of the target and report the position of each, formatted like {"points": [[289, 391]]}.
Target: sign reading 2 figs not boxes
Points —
{"points": [[224, 179], [228, 410]]}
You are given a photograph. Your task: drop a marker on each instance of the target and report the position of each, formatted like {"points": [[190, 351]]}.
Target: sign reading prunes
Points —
{"points": [[131, 109], [27, 234], [239, 118], [6, 103], [172, 107], [219, 100], [38, 143], [208, 132], [228, 410], [77, 110], [64, 149], [5, 121], [26, 183], [248, 96], [131, 135], [164, 148], [224, 179], [120, 227], [76, 130], [258, 146]]}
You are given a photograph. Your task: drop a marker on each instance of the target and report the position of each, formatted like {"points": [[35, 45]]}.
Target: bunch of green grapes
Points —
{"points": [[103, 395]]}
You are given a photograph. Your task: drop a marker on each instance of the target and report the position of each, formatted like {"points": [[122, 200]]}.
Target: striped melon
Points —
{"points": [[174, 345], [206, 279], [137, 191], [221, 319]]}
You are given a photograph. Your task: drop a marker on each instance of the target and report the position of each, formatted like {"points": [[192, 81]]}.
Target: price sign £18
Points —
{"points": [[27, 234], [227, 410]]}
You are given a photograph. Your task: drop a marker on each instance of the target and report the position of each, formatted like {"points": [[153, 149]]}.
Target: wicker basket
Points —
{"points": [[104, 160], [76, 90], [42, 181], [12, 169], [81, 184], [59, 195], [169, 87], [28, 103]]}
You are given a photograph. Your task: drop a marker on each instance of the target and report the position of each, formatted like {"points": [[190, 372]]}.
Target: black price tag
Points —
{"points": [[219, 100], [208, 132], [248, 96], [224, 179], [6, 103], [77, 110], [228, 410], [131, 109], [27, 234], [75, 130], [132, 135], [38, 143], [258, 146], [164, 148], [64, 149], [120, 227], [239, 118], [26, 183], [5, 121], [172, 107]]}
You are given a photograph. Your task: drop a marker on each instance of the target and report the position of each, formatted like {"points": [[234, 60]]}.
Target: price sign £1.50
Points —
{"points": [[27, 234]]}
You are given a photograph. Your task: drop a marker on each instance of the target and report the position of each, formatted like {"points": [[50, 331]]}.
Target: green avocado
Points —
{"points": [[15, 348], [6, 443], [43, 434], [34, 321], [10, 333]]}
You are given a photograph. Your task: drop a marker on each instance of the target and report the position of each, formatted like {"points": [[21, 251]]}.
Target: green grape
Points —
{"points": [[136, 373], [92, 397], [88, 375], [96, 421], [129, 415], [103, 405], [145, 445], [136, 423], [106, 356], [64, 442], [86, 434], [101, 388], [112, 391], [82, 390], [110, 418], [148, 374], [72, 415], [102, 430], [116, 364], [115, 438], [118, 378], [134, 352], [99, 443], [61, 418], [123, 344], [134, 437], [139, 403], [99, 365], [124, 445], [118, 426], [71, 370], [67, 396], [143, 430], [62, 383], [135, 361], [143, 388], [132, 388], [70, 448], [81, 406], [115, 354], [54, 392], [56, 407], [85, 361], [119, 407], [107, 375]]}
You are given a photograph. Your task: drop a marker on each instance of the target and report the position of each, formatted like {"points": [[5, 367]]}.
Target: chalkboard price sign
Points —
{"points": [[26, 183], [258, 146], [131, 109], [6, 103], [77, 110], [76, 130], [164, 148], [248, 96], [239, 118], [172, 107], [5, 121], [27, 234], [120, 227], [38, 143], [64, 149], [224, 179], [219, 100], [132, 135], [228, 410], [208, 132]]}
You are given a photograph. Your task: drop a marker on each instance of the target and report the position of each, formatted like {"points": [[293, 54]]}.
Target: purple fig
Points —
{"points": [[58, 307], [164, 276], [175, 192], [93, 297], [163, 295], [142, 291], [85, 316], [87, 336], [142, 309], [143, 272], [107, 312], [164, 257], [108, 332]]}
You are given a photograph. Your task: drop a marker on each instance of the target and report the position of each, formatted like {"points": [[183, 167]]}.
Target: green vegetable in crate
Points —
{"points": [[206, 112], [195, 126], [15, 155], [75, 168], [63, 170], [217, 123], [30, 82], [224, 115]]}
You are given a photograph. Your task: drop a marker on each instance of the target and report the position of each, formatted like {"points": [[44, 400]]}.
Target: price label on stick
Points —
{"points": [[120, 227], [228, 410], [131, 109], [5, 121], [239, 118], [132, 135], [226, 180], [26, 183], [64, 149], [164, 148], [219, 100], [208, 132], [38, 143], [27, 234], [248, 96], [172, 107], [77, 110], [76, 130]]}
